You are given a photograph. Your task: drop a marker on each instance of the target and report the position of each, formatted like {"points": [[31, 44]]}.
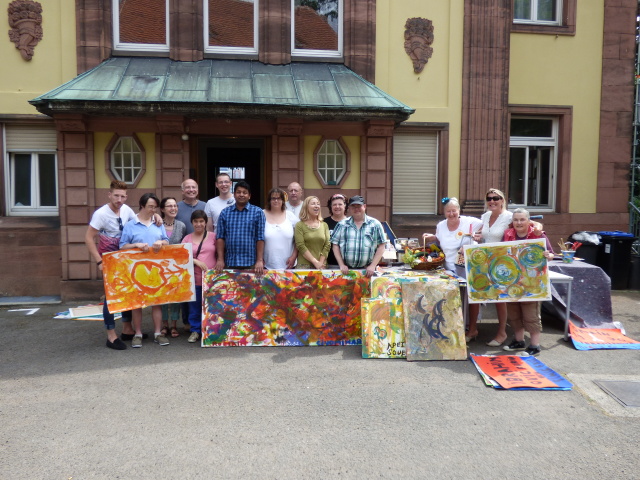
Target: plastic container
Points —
{"points": [[614, 257]]}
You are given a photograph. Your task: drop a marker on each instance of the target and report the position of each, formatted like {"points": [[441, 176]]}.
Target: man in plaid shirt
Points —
{"points": [[358, 242], [240, 233]]}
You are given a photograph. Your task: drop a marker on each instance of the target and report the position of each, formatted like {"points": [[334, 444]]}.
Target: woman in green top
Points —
{"points": [[312, 236]]}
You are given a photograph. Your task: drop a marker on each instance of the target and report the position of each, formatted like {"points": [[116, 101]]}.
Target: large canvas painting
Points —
{"points": [[282, 308], [382, 328], [433, 321], [507, 272], [135, 279]]}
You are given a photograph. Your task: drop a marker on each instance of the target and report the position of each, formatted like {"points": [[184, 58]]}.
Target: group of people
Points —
{"points": [[496, 224], [228, 232]]}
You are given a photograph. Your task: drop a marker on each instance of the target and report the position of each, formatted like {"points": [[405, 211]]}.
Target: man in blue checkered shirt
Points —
{"points": [[358, 242], [240, 233]]}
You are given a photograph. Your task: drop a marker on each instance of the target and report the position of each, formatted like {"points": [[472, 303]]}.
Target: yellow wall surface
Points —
{"points": [[311, 142], [436, 92], [101, 141], [567, 71], [53, 63]]}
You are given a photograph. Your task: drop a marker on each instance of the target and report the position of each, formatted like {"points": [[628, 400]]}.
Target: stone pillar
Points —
{"points": [[485, 96], [186, 30], [287, 163], [360, 37], [172, 156], [94, 38], [274, 32], [375, 168], [76, 192]]}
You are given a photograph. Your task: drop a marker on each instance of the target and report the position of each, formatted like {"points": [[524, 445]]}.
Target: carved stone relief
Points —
{"points": [[418, 37], [25, 20]]}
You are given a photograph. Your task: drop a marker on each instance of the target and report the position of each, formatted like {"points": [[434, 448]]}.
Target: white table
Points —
{"points": [[555, 277]]}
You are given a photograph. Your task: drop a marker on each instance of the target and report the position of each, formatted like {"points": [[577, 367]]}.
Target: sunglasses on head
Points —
{"points": [[337, 195], [120, 224], [495, 199]]}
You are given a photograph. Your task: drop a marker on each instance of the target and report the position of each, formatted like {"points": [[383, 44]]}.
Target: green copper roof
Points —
{"points": [[140, 86]]}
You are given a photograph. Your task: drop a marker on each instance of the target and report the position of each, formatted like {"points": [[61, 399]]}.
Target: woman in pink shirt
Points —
{"points": [[203, 244]]}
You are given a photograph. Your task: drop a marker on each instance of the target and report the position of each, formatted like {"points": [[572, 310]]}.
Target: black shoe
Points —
{"points": [[531, 351], [117, 344], [129, 336], [515, 346]]}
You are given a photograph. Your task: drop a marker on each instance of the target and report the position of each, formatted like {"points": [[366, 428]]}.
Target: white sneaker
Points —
{"points": [[194, 337]]}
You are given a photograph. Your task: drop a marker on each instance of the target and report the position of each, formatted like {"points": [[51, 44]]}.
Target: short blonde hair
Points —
{"points": [[495, 191], [304, 211]]}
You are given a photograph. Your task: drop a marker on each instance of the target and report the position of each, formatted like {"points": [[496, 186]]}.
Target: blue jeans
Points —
{"points": [[109, 321], [195, 311]]}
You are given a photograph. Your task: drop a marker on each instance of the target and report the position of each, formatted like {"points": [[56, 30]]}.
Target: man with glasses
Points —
{"points": [[107, 224], [189, 203], [296, 195], [219, 203]]}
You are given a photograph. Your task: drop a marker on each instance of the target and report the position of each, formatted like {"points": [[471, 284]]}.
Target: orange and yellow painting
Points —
{"points": [[135, 279]]}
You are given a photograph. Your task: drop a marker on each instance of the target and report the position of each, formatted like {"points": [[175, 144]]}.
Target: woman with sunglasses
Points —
{"points": [[176, 230], [495, 221], [279, 248], [337, 205]]}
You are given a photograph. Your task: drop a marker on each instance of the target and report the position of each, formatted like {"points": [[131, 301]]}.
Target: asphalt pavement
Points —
{"points": [[72, 409]]}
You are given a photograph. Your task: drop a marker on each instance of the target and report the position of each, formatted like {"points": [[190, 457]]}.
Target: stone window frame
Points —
{"points": [[138, 47], [566, 27], [108, 151], [299, 52], [211, 49], [564, 116], [347, 167]]}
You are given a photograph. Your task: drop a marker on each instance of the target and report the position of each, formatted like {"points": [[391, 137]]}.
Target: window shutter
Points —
{"points": [[31, 138], [415, 172]]}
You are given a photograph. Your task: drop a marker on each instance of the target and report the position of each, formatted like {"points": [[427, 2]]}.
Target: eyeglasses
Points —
{"points": [[120, 224], [495, 199], [276, 199]]}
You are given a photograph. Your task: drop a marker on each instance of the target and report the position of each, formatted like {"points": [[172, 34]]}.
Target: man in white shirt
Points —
{"points": [[219, 203], [296, 194]]}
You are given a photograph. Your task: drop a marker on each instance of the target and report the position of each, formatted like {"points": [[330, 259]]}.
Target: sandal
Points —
{"points": [[165, 330], [174, 332]]}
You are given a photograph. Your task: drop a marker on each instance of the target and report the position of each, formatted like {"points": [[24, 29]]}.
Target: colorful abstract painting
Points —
{"points": [[433, 322], [507, 272], [382, 328], [135, 279], [282, 308]]}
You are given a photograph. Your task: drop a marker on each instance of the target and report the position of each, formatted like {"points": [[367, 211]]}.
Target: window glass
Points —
{"points": [[22, 179], [537, 11], [47, 176], [126, 160], [140, 25], [532, 160], [317, 25], [332, 163], [231, 23]]}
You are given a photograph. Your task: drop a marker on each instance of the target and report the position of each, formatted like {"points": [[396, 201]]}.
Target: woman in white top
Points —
{"points": [[451, 234], [495, 220], [279, 248]]}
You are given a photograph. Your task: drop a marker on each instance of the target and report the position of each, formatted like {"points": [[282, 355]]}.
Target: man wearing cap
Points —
{"points": [[358, 242]]}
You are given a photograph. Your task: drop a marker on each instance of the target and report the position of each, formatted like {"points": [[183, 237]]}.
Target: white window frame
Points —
{"points": [[114, 170], [234, 50], [534, 15], [35, 208], [525, 143], [323, 171], [300, 52], [141, 47]]}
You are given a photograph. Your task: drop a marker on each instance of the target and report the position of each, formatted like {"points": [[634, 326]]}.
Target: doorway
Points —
{"points": [[242, 159]]}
